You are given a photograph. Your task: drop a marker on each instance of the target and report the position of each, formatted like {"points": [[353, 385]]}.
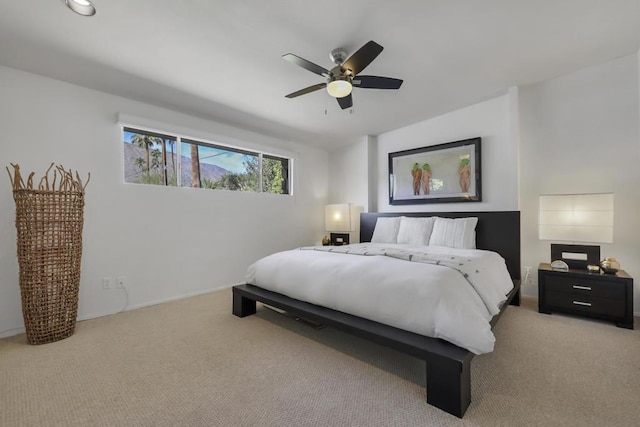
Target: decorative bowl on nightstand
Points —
{"points": [[609, 265]]}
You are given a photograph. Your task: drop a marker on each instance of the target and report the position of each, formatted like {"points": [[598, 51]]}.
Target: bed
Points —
{"points": [[448, 366]]}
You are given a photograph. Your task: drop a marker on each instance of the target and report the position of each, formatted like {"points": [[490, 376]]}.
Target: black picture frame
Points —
{"points": [[453, 170]]}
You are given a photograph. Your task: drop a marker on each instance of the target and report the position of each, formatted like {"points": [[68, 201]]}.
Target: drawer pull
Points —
{"points": [[584, 288], [586, 304]]}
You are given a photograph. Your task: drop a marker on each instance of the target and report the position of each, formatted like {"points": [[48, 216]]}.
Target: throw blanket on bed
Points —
{"points": [[465, 265]]}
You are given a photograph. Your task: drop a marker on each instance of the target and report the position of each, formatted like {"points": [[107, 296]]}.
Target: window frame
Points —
{"points": [[287, 161]]}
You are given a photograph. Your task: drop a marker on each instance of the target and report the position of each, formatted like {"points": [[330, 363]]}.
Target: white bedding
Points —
{"points": [[418, 296]]}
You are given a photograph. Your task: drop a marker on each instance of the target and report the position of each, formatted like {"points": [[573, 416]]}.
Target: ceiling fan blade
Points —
{"points": [[307, 65], [376, 82], [307, 90], [362, 58], [345, 102]]}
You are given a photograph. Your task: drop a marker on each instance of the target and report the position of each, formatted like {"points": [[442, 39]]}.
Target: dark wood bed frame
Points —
{"points": [[448, 366]]}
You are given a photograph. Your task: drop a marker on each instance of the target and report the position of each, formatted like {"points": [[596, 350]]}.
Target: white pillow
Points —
{"points": [[454, 233], [386, 230], [415, 231]]}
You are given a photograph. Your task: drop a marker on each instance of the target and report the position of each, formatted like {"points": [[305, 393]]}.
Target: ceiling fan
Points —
{"points": [[345, 75]]}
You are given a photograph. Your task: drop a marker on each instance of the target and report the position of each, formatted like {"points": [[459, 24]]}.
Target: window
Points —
{"points": [[149, 158], [157, 159], [275, 175], [218, 167]]}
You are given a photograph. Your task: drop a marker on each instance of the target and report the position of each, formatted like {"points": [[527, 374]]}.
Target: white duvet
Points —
{"points": [[442, 292]]}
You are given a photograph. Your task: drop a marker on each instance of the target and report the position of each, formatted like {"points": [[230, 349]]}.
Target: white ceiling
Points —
{"points": [[221, 60]]}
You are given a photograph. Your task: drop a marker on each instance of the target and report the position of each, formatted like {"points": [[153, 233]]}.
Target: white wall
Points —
{"points": [[580, 134], [167, 242], [489, 120], [573, 134], [349, 172]]}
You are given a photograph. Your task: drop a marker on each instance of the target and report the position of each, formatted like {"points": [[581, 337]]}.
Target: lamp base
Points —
{"points": [[576, 256], [339, 239]]}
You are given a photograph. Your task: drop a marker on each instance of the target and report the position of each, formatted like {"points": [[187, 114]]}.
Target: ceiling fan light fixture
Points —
{"points": [[340, 80], [339, 86], [81, 7]]}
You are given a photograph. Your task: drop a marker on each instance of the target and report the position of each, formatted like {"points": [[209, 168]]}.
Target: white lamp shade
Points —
{"points": [[342, 218], [576, 217], [337, 218]]}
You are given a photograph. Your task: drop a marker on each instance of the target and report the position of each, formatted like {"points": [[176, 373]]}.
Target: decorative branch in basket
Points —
{"points": [[49, 221], [67, 181]]}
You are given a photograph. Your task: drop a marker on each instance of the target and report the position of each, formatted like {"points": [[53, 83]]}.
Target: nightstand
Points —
{"points": [[594, 295]]}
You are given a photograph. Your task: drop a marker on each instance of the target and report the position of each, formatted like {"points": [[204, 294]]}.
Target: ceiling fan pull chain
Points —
{"points": [[325, 105]]}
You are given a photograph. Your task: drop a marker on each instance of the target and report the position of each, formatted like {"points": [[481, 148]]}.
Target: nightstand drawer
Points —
{"points": [[586, 304], [584, 286]]}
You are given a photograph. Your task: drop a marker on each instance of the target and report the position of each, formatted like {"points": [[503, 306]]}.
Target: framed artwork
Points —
{"points": [[436, 174]]}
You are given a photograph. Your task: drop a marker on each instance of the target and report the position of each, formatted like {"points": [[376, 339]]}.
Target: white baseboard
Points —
{"points": [[153, 302], [20, 330], [13, 331]]}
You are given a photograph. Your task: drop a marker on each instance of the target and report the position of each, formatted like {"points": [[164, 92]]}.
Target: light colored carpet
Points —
{"points": [[192, 363]]}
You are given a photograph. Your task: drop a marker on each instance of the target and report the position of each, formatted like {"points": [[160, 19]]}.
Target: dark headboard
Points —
{"points": [[497, 231]]}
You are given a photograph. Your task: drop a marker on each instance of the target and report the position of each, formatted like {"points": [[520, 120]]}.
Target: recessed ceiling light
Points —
{"points": [[81, 7]]}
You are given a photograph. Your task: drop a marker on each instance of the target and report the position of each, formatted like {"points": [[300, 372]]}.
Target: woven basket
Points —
{"points": [[49, 224]]}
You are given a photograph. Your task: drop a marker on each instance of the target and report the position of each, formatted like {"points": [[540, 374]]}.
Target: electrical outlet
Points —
{"points": [[528, 278], [107, 283], [121, 282]]}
